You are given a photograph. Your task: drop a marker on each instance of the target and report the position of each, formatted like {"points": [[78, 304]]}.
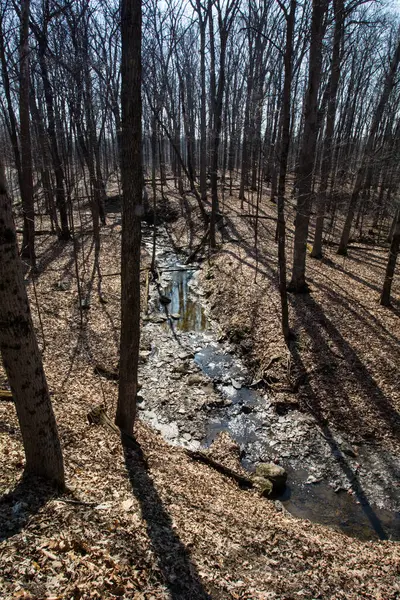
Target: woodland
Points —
{"points": [[199, 299]]}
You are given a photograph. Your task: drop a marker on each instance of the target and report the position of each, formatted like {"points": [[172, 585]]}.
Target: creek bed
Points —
{"points": [[330, 482]]}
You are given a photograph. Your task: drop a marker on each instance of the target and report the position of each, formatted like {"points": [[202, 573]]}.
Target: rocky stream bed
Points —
{"points": [[195, 386]]}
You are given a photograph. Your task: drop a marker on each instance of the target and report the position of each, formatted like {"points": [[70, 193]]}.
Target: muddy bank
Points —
{"points": [[195, 386]]}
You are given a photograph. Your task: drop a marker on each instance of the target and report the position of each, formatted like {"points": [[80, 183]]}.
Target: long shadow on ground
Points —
{"points": [[320, 330], [178, 572], [22, 503]]}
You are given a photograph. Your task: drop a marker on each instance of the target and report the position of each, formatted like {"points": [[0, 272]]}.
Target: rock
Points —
{"points": [[195, 380], [265, 486], [184, 368], [175, 316], [247, 409], [312, 480], [144, 356], [276, 474], [158, 318], [187, 437], [182, 411], [185, 355], [236, 384]]}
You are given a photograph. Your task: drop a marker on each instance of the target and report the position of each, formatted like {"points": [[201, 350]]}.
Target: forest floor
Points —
{"points": [[161, 525]]}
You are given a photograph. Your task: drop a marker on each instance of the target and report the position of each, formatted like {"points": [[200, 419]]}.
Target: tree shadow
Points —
{"points": [[369, 321], [22, 503], [341, 269], [349, 415], [179, 574], [320, 329]]}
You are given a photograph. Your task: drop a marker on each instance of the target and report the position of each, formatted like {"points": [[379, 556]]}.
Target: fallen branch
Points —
{"points": [[243, 481], [40, 232], [6, 395]]}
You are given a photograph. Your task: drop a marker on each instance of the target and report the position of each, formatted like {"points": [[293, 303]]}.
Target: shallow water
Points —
{"points": [[183, 302], [248, 422]]}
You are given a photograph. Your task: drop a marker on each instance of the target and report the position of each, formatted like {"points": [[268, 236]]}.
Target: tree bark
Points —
{"points": [[21, 357], [391, 264], [41, 37], [308, 148], [28, 239], [283, 161], [338, 6], [132, 182]]}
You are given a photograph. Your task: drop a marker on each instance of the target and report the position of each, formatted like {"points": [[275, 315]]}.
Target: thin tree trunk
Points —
{"points": [[391, 264], [55, 154], [283, 161], [203, 104], [389, 83], [28, 241]]}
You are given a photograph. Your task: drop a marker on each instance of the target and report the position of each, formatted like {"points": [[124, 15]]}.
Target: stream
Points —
{"points": [[195, 387]]}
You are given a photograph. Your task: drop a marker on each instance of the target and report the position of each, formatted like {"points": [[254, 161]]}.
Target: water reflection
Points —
{"points": [[184, 303]]}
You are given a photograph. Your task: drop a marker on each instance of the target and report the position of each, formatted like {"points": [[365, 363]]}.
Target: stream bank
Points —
{"points": [[195, 387]]}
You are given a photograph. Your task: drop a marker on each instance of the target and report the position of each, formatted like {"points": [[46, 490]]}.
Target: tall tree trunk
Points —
{"points": [[55, 154], [45, 160], [305, 169], [389, 83], [12, 121], [391, 264], [132, 182], [28, 241], [338, 7], [203, 103], [283, 161], [21, 357]]}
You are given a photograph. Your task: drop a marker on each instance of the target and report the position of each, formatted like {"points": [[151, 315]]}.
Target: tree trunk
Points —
{"points": [[391, 264], [338, 6], [132, 182], [389, 83], [55, 155], [21, 357], [283, 161], [203, 104], [307, 153], [28, 241]]}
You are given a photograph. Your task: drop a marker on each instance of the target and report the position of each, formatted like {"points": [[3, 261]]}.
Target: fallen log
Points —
{"points": [[244, 482]]}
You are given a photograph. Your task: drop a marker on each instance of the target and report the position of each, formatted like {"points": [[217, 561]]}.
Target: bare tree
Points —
{"points": [[389, 83], [28, 242], [308, 148], [391, 264], [132, 183], [21, 356], [283, 160]]}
